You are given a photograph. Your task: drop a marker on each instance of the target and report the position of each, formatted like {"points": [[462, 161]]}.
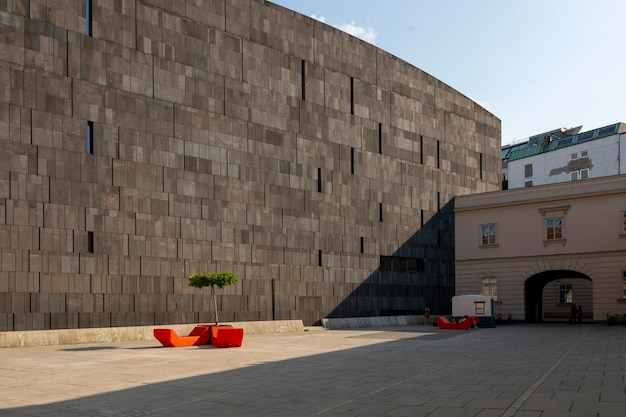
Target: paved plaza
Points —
{"points": [[550, 370]]}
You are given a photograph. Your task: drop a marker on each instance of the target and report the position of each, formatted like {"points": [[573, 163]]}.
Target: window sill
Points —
{"points": [[493, 245], [621, 301], [554, 241]]}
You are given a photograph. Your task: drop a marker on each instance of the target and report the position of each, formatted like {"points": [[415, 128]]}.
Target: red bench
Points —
{"points": [[467, 323], [226, 336], [168, 337]]}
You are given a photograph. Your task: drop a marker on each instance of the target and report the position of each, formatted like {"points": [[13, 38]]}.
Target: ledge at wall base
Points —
{"points": [[128, 334]]}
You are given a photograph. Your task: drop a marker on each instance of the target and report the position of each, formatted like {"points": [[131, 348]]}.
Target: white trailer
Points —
{"points": [[474, 305]]}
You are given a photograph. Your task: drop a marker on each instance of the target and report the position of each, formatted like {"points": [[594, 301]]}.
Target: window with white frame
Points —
{"points": [[579, 175], [490, 287], [489, 234], [566, 296], [554, 228], [584, 173]]}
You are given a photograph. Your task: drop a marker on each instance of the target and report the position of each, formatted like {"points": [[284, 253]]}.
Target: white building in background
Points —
{"points": [[563, 155]]}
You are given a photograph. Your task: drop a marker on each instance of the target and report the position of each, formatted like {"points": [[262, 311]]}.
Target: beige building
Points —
{"points": [[539, 250]]}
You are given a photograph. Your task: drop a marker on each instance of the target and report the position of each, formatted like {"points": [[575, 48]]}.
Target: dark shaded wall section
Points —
{"points": [[236, 135], [388, 292]]}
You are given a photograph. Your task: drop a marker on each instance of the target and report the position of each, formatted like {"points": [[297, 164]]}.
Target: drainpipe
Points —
{"points": [[619, 153]]}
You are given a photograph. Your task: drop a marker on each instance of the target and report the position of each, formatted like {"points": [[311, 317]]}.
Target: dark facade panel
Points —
{"points": [[170, 141]]}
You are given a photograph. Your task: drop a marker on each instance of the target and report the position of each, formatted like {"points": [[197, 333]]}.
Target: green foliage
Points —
{"points": [[213, 279]]}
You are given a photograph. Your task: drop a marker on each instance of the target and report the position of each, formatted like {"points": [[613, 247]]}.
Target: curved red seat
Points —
{"points": [[226, 337], [168, 337], [467, 323]]}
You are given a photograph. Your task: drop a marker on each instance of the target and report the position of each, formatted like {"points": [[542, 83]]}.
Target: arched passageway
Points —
{"points": [[534, 291]]}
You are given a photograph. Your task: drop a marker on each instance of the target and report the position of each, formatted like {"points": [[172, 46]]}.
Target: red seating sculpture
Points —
{"points": [[220, 336], [226, 336], [467, 323], [168, 337]]}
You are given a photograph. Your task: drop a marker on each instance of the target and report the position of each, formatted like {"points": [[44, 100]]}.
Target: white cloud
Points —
{"points": [[320, 18], [368, 34]]}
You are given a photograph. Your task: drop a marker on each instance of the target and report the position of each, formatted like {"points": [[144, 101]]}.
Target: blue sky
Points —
{"points": [[536, 64]]}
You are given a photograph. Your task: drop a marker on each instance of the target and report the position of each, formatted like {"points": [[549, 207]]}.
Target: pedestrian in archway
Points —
{"points": [[572, 313], [580, 314]]}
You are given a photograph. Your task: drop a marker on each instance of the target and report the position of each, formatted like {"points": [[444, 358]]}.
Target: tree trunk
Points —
{"points": [[214, 303]]}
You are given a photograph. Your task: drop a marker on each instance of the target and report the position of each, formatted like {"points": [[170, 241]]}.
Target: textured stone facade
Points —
{"points": [[222, 135]]}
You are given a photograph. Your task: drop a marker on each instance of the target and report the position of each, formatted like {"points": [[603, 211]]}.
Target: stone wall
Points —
{"points": [[225, 135]]}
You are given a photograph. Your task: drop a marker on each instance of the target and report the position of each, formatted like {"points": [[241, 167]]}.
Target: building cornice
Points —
{"points": [[543, 193]]}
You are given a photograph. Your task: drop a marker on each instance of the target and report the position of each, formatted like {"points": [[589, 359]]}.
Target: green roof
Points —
{"points": [[535, 147]]}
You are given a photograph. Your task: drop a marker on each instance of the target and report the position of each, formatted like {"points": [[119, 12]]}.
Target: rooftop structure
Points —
{"points": [[563, 155]]}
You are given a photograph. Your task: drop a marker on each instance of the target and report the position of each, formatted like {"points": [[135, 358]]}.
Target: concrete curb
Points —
{"points": [[360, 322], [125, 334]]}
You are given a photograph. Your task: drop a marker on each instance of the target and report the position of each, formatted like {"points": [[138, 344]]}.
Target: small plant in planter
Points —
{"points": [[213, 279]]}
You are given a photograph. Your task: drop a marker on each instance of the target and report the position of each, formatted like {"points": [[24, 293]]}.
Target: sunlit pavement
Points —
{"points": [[549, 370]]}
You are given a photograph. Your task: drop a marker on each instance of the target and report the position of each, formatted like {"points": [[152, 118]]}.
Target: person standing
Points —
{"points": [[580, 314], [572, 313]]}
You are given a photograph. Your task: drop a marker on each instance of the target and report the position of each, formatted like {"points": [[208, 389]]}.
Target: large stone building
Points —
{"points": [[145, 140], [539, 250]]}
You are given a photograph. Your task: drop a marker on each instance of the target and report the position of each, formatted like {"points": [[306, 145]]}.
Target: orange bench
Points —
{"points": [[168, 337], [226, 336]]}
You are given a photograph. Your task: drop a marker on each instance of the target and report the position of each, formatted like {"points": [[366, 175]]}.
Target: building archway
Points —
{"points": [[534, 289]]}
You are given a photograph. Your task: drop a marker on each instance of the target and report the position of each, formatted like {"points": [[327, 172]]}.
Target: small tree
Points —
{"points": [[213, 279]]}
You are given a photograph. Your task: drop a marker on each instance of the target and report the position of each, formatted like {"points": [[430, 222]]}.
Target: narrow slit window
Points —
{"points": [[352, 161], [90, 242], [303, 76], [319, 257], [88, 18], [438, 160], [421, 150], [480, 164], [90, 137], [380, 212], [422, 218], [380, 138], [351, 95], [362, 244], [319, 180]]}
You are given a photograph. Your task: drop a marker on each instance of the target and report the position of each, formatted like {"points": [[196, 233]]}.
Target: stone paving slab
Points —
{"points": [[550, 370]]}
